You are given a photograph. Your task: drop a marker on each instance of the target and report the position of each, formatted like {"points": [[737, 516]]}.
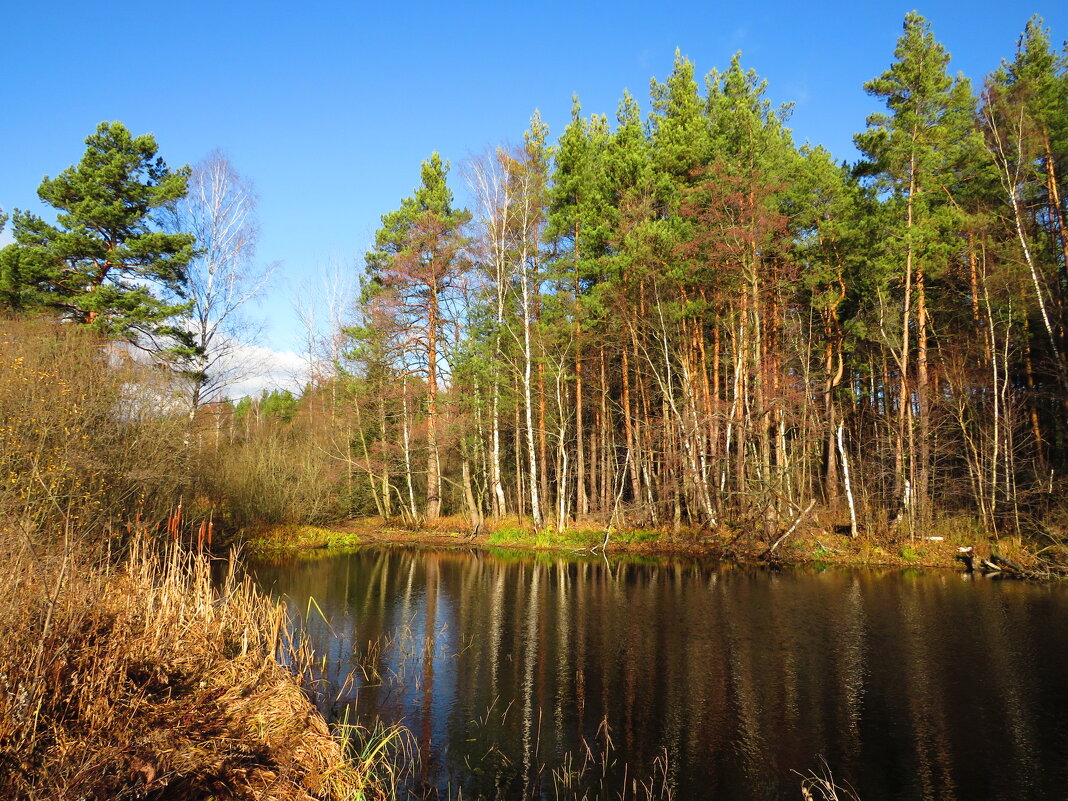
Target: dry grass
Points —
{"points": [[822, 787], [155, 682]]}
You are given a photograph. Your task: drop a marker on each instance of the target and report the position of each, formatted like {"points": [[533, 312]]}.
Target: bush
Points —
{"points": [[276, 473], [85, 438]]}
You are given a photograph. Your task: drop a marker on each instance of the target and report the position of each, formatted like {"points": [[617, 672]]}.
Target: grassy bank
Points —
{"points": [[812, 544], [153, 681]]}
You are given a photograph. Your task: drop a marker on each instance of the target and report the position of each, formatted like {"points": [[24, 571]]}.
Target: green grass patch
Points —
{"points": [[546, 538], [636, 537], [299, 538], [504, 534], [568, 538]]}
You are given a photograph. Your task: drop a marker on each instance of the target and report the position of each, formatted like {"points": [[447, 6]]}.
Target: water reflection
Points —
{"points": [[514, 670]]}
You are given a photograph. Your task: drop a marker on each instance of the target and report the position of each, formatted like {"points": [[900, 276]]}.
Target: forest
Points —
{"points": [[679, 322], [681, 319]]}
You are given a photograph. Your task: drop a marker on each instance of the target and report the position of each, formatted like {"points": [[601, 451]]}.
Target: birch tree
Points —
{"points": [[223, 277]]}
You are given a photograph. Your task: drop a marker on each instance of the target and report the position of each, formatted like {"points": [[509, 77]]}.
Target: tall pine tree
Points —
{"points": [[917, 153], [416, 260], [106, 263]]}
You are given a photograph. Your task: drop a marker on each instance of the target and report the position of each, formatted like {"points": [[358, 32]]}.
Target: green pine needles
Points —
{"points": [[106, 262]]}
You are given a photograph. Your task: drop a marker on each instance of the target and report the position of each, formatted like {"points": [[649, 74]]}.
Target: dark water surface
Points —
{"points": [[711, 682]]}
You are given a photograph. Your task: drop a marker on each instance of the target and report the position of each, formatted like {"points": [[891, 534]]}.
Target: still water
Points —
{"points": [[526, 676]]}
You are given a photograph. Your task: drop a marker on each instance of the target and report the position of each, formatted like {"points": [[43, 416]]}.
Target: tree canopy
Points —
{"points": [[106, 262]]}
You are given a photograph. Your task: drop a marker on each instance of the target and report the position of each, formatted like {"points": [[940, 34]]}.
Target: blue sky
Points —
{"points": [[330, 107]]}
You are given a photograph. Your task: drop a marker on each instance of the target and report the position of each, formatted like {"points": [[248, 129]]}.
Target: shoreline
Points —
{"points": [[812, 546]]}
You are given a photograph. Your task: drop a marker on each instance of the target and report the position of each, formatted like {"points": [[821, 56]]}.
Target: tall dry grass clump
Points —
{"points": [[153, 681]]}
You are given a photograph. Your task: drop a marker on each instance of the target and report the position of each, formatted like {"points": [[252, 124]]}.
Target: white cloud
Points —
{"points": [[257, 368]]}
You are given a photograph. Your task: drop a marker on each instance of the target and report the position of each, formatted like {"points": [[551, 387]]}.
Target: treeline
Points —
{"points": [[687, 319], [676, 319]]}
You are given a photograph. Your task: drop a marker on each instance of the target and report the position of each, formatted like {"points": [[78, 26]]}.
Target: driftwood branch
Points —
{"points": [[793, 527]]}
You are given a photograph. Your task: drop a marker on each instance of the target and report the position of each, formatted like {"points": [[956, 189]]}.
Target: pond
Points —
{"points": [[527, 676]]}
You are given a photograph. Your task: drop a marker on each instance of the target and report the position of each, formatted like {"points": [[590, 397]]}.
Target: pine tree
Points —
{"points": [[828, 209], [680, 134], [415, 261], [106, 263], [1025, 119], [576, 226], [917, 153]]}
